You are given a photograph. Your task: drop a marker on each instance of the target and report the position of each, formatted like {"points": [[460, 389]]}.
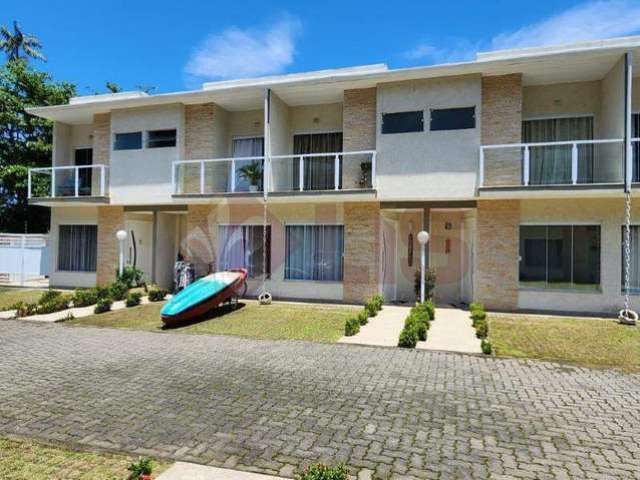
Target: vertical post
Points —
{"points": [[76, 180], [102, 181], [374, 184], [23, 245], [233, 175], [29, 183], [301, 173], [423, 267], [336, 172], [628, 151], [173, 178], [481, 168], [526, 166], [53, 182], [201, 176], [574, 163]]}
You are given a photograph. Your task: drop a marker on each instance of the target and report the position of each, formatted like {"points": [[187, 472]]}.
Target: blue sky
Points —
{"points": [[178, 45]]}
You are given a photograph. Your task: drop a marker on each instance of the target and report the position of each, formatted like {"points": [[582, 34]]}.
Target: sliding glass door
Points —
{"points": [[319, 172]]}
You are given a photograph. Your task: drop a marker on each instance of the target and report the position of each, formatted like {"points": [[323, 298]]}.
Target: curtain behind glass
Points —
{"points": [[246, 147], [314, 252], [552, 165], [318, 171], [77, 248], [240, 246]]}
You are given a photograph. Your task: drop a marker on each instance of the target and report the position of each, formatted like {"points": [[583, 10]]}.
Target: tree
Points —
{"points": [[25, 141], [113, 87], [18, 41]]}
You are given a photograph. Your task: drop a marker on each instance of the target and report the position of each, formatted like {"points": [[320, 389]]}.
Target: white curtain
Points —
{"points": [[240, 246], [246, 147], [314, 252], [77, 248], [319, 172]]}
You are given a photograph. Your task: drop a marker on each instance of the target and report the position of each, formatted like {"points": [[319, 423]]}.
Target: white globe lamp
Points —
{"points": [[423, 238], [121, 235]]}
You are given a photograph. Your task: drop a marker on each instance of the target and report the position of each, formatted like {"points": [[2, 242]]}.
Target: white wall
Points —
{"points": [[612, 122], [165, 248], [440, 164], [144, 176], [69, 216]]}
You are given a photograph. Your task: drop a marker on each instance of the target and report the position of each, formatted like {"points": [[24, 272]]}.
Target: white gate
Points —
{"points": [[24, 258]]}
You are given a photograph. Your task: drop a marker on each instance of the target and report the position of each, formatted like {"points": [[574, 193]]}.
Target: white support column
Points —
{"points": [[336, 172], [374, 183], [574, 163], [102, 181], [526, 166], [301, 173], [173, 178], [233, 175], [481, 168], [76, 181], [53, 182], [201, 177], [29, 183]]}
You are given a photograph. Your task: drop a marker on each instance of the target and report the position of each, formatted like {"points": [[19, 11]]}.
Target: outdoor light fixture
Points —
{"points": [[423, 238], [121, 235]]}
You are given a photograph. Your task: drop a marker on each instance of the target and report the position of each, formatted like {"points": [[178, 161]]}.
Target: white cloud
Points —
{"points": [[587, 21], [238, 53]]}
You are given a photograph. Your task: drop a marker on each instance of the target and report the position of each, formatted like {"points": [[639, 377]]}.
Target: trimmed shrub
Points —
{"points": [[24, 309], [427, 307], [55, 303], [482, 329], [378, 301], [351, 326], [408, 337], [429, 283], [101, 291], [421, 330], [474, 306], [118, 290], [103, 305], [133, 299], [371, 308], [49, 296], [157, 294], [485, 345], [363, 317], [85, 297], [131, 276], [325, 472], [144, 466]]}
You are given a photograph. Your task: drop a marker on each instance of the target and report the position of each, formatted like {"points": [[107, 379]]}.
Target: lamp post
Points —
{"points": [[121, 235], [423, 238]]}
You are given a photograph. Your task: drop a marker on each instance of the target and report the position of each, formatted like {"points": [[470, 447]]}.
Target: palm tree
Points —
{"points": [[17, 42]]}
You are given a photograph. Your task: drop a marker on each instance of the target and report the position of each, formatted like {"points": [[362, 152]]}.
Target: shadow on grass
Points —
{"points": [[210, 315]]}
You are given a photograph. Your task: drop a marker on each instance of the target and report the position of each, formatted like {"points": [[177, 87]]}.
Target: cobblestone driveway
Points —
{"points": [[274, 406]]}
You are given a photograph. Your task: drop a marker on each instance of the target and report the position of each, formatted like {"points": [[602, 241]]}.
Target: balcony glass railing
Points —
{"points": [[68, 181]]}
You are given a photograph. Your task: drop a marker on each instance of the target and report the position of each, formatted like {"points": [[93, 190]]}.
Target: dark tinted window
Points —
{"points": [[402, 122], [77, 248], [161, 138], [128, 141], [453, 118]]}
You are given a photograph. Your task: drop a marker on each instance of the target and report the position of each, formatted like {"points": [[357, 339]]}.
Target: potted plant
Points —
{"points": [[140, 470], [253, 174]]}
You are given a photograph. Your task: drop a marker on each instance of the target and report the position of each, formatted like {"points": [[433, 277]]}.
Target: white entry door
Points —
{"points": [[139, 249]]}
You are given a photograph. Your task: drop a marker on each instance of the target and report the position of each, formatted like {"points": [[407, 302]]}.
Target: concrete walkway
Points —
{"points": [[452, 331], [382, 330], [194, 471]]}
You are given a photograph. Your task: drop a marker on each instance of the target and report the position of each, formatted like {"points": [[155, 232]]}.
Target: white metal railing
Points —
{"points": [[339, 171], [605, 157], [67, 181]]}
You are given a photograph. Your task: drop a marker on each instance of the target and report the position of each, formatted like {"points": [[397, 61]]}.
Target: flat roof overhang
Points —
{"points": [[68, 201]]}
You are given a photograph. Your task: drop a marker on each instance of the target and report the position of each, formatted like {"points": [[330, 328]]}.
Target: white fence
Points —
{"points": [[24, 258]]}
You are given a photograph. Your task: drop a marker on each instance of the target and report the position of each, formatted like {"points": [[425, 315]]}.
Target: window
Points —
{"points": [[77, 248], [246, 147], [403, 122], [314, 252], [319, 172], [453, 118], [240, 246], [161, 138], [128, 141], [560, 256], [634, 270]]}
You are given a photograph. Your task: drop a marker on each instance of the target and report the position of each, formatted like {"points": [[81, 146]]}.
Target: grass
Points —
{"points": [[586, 342], [279, 321], [27, 460], [11, 295]]}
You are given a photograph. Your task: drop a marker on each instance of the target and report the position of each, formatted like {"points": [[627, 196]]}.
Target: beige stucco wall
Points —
{"points": [[441, 164], [612, 123], [562, 100], [315, 119]]}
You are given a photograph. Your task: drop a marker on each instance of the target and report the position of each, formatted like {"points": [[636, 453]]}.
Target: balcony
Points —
{"points": [[579, 163], [76, 183], [344, 172]]}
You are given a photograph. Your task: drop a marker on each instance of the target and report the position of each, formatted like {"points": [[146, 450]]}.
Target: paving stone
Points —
{"points": [[276, 407]]}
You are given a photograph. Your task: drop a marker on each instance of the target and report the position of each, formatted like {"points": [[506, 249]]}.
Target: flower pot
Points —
{"points": [[145, 476], [253, 188]]}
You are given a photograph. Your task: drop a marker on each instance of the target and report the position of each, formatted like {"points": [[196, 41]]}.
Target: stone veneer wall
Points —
{"points": [[497, 247], [358, 131], [201, 238], [361, 251], [502, 123], [102, 138], [110, 220]]}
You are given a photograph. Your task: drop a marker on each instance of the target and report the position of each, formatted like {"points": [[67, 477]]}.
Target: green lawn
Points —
{"points": [[279, 321], [587, 342], [27, 460], [11, 295]]}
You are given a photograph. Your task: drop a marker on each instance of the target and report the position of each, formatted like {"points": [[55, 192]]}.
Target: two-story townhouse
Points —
{"points": [[514, 162]]}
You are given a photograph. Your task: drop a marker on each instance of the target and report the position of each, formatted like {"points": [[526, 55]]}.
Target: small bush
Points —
{"points": [[103, 305], [118, 290], [101, 291], [485, 345], [371, 308], [378, 301], [351, 326], [131, 276], [421, 330], [143, 466], [408, 337], [49, 296], [428, 307], [55, 303], [363, 317], [85, 297], [429, 283], [324, 472], [482, 329], [24, 309], [133, 299], [475, 306], [157, 294]]}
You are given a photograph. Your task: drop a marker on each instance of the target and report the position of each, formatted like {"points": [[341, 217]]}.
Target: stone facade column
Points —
{"points": [[497, 251], [361, 251], [502, 123], [358, 132], [202, 229], [102, 138], [110, 220]]}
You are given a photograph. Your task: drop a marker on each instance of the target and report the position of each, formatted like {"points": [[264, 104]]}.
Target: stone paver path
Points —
{"points": [[276, 406], [452, 331], [382, 330]]}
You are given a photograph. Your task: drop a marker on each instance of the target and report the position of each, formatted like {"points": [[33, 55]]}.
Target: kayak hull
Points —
{"points": [[202, 298]]}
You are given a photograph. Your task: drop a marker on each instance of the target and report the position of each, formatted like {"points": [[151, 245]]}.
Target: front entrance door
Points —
{"points": [[84, 156], [139, 250]]}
